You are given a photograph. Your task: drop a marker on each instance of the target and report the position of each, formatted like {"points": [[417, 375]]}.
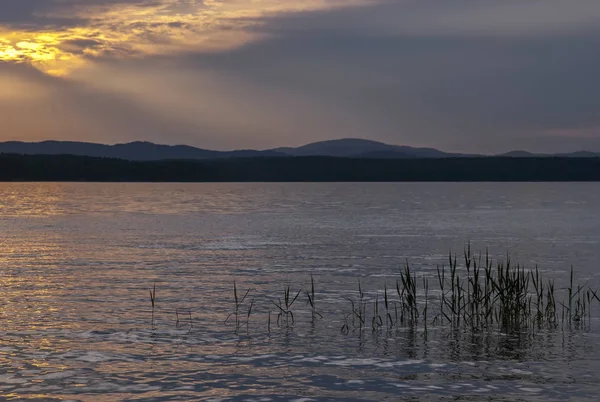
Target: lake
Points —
{"points": [[79, 261]]}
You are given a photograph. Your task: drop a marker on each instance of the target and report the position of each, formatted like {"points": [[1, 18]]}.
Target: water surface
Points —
{"points": [[78, 261]]}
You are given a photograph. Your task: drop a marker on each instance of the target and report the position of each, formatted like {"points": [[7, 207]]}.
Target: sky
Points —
{"points": [[482, 76]]}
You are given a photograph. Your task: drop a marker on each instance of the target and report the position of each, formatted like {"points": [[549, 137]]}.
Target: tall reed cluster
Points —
{"points": [[479, 296], [475, 296]]}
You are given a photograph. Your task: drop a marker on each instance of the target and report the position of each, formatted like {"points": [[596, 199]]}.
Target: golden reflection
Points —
{"points": [[141, 29]]}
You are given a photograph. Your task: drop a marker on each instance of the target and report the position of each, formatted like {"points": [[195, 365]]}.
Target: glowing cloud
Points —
{"points": [[141, 28]]}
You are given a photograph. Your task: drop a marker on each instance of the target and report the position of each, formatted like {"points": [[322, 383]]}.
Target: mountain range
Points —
{"points": [[346, 148]]}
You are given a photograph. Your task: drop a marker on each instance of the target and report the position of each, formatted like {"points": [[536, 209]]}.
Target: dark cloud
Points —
{"points": [[79, 46], [460, 88], [44, 13]]}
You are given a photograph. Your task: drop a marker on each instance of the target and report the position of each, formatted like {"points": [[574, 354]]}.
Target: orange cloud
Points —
{"points": [[138, 29]]}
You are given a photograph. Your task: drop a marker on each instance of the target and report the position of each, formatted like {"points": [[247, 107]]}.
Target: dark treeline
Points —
{"points": [[81, 168]]}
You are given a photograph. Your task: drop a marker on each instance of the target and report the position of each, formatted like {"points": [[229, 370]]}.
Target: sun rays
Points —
{"points": [[140, 29]]}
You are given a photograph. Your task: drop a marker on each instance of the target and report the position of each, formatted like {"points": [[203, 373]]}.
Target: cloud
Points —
{"points": [[44, 32], [516, 18], [426, 18], [476, 92], [466, 75]]}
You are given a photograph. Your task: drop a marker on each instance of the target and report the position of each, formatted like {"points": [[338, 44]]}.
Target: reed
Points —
{"points": [[386, 302], [285, 307], [312, 300], [479, 296], [152, 300], [238, 304], [474, 296], [269, 322], [376, 321], [358, 311], [248, 314], [406, 288]]}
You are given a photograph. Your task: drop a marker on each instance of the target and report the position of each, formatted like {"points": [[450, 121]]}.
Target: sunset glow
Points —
{"points": [[470, 76], [139, 30]]}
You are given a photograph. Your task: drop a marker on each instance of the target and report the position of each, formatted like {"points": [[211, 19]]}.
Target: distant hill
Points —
{"points": [[355, 147], [345, 148], [135, 151], [526, 154], [518, 154], [147, 151]]}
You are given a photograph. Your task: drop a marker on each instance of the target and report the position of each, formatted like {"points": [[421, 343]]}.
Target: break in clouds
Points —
{"points": [[461, 75]]}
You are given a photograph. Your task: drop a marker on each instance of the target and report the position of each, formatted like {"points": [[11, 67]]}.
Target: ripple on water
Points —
{"points": [[79, 260]]}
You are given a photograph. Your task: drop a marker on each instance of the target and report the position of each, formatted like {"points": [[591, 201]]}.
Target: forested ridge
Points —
{"points": [[15, 167]]}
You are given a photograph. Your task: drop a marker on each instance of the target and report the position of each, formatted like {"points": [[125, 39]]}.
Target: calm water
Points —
{"points": [[78, 261]]}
